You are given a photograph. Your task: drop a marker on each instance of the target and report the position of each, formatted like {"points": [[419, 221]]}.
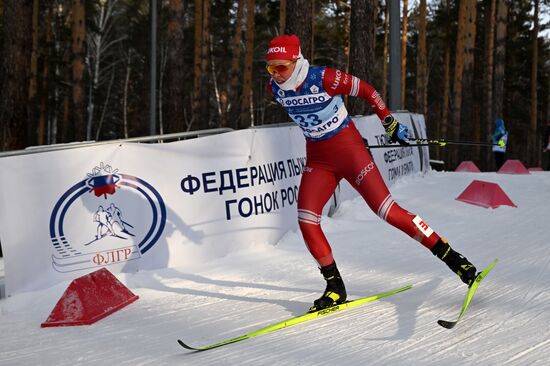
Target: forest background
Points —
{"points": [[79, 70]]}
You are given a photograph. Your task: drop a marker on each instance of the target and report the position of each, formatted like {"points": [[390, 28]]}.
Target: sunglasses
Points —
{"points": [[280, 68]]}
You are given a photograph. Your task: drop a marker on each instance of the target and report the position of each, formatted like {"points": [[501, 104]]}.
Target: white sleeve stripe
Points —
{"points": [[309, 221], [309, 217], [388, 210], [354, 86], [384, 208]]}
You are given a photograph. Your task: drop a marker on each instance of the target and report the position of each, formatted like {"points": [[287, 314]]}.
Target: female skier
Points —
{"points": [[312, 96]]}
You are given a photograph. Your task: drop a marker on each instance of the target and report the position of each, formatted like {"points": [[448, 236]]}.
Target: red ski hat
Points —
{"points": [[285, 47]]}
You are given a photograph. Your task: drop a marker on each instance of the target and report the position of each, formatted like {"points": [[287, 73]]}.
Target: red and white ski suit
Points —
{"points": [[340, 154]]}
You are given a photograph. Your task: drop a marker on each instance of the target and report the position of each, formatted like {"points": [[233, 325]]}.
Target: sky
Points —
{"points": [[255, 285]]}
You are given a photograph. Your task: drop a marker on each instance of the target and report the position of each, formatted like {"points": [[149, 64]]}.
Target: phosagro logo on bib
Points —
{"points": [[106, 219]]}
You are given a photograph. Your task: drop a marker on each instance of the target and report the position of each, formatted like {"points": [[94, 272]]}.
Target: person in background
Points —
{"points": [[313, 97], [500, 139], [546, 147]]}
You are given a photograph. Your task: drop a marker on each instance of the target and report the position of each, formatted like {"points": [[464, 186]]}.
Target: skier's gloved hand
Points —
{"points": [[396, 131]]}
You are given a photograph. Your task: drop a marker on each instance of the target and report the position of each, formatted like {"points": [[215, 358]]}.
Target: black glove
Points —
{"points": [[396, 131]]}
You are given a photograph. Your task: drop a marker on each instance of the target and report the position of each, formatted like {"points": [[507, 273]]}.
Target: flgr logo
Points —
{"points": [[108, 218]]}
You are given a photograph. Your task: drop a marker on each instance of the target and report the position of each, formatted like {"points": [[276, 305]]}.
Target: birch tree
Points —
{"points": [[101, 60]]}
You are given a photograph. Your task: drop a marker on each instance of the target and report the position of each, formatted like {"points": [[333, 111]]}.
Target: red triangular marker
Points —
{"points": [[467, 166], [485, 194], [513, 167], [88, 299]]}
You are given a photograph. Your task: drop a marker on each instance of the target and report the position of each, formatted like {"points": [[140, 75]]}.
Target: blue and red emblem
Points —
{"points": [[106, 219]]}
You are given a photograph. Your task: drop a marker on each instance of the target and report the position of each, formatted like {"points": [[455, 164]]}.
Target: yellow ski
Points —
{"points": [[298, 319], [471, 291]]}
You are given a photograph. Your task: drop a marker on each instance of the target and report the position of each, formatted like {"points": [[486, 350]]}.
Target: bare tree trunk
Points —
{"points": [[470, 123], [105, 103], [33, 82], [533, 150], [205, 80], [422, 63], [345, 9], [162, 76], [362, 27], [14, 73], [548, 102], [78, 66], [299, 21], [282, 15], [404, 54], [176, 68], [458, 76], [444, 124], [217, 93], [246, 109], [385, 53], [43, 119], [500, 58], [233, 92], [125, 96], [489, 71], [197, 64]]}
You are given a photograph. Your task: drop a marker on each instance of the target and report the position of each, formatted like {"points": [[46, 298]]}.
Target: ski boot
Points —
{"points": [[455, 261], [335, 292]]}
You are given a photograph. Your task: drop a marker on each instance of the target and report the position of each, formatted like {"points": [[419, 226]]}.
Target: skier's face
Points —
{"points": [[280, 70]]}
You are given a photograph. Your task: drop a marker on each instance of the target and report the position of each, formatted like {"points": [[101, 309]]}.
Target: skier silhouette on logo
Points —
{"points": [[116, 218], [104, 227]]}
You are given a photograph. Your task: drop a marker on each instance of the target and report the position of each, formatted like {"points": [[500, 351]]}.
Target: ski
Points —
{"points": [[469, 295], [298, 319]]}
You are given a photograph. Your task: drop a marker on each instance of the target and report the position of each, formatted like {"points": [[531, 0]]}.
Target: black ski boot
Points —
{"points": [[335, 293], [456, 261]]}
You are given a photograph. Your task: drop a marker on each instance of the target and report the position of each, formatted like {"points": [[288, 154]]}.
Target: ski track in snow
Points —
{"points": [[508, 322]]}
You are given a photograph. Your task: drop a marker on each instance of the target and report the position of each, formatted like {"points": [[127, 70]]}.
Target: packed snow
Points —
{"points": [[222, 297]]}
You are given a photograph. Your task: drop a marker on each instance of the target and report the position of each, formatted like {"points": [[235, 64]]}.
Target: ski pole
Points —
{"points": [[443, 142], [429, 142], [392, 146]]}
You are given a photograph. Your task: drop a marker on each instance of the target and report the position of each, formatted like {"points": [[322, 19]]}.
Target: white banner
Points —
{"points": [[144, 206], [393, 162]]}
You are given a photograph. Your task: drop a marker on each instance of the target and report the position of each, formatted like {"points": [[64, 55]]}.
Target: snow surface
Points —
{"points": [[256, 285]]}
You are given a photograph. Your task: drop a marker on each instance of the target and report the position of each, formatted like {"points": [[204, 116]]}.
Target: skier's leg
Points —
{"points": [[316, 187], [367, 180]]}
